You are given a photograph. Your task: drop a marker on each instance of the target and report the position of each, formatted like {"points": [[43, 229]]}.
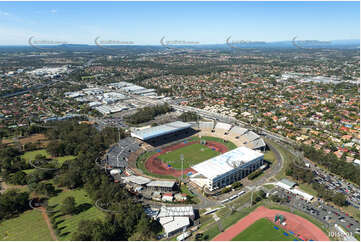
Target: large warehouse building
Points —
{"points": [[227, 168]]}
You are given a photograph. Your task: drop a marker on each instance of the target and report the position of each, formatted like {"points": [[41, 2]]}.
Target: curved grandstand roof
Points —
{"points": [[226, 162], [238, 130], [250, 136], [258, 143], [160, 130]]}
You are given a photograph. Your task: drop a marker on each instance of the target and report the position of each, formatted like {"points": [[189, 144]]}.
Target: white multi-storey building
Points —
{"points": [[227, 168]]}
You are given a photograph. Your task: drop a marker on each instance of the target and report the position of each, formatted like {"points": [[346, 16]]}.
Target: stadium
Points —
{"points": [[210, 154]]}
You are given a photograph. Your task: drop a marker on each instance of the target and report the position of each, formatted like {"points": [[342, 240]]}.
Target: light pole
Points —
{"points": [[182, 159]]}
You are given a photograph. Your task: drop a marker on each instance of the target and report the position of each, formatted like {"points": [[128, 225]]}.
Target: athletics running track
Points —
{"points": [[301, 227], [155, 165]]}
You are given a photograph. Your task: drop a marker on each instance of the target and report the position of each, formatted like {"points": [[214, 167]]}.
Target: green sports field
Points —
{"points": [[263, 230], [29, 225], [193, 154]]}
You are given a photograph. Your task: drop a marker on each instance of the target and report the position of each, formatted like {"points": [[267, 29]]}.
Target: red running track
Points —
{"points": [[298, 225], [155, 165]]}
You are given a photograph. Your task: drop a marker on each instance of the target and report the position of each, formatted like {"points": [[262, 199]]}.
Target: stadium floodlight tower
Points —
{"points": [[182, 159]]}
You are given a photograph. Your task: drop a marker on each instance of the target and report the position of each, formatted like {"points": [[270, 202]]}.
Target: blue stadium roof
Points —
{"points": [[160, 130]]}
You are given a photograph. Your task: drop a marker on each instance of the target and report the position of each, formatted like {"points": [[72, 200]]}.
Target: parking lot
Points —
{"points": [[351, 191], [328, 215], [117, 122]]}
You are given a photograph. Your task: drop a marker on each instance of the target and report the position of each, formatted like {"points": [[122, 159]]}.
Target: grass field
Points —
{"points": [[269, 156], [308, 188], [227, 221], [30, 155], [228, 144], [272, 205], [263, 230], [69, 223], [28, 226], [193, 154], [287, 156], [141, 159]]}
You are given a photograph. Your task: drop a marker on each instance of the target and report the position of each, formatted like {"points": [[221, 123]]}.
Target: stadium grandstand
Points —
{"points": [[226, 168], [136, 180], [175, 219], [186, 211], [250, 136], [165, 133], [237, 131], [206, 125], [258, 144], [223, 126], [117, 156], [159, 185]]}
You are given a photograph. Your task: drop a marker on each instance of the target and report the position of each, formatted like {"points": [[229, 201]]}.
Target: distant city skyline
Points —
{"points": [[145, 23]]}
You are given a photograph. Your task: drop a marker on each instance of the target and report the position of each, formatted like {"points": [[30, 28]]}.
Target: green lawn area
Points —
{"points": [[193, 154], [228, 144], [30, 225], [308, 188], [269, 156], [227, 220], [69, 223], [263, 230], [28, 171], [61, 159], [287, 156], [30, 155], [269, 186]]}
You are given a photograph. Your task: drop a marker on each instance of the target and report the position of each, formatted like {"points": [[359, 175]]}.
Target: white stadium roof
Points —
{"points": [[238, 130], [153, 132], [176, 212], [258, 143], [226, 162], [161, 183], [223, 126], [250, 136], [171, 224], [139, 180]]}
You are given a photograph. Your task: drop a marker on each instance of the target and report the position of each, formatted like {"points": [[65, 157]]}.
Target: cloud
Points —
{"points": [[53, 11]]}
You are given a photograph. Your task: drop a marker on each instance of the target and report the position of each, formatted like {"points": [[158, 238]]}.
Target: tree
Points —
{"points": [[13, 202], [17, 178], [68, 206], [46, 189], [340, 199]]}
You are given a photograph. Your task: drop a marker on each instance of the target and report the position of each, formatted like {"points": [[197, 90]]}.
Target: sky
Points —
{"points": [[202, 22]]}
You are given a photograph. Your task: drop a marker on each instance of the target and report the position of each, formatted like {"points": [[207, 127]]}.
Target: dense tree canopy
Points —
{"points": [[188, 117], [148, 113], [12, 203], [335, 165]]}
